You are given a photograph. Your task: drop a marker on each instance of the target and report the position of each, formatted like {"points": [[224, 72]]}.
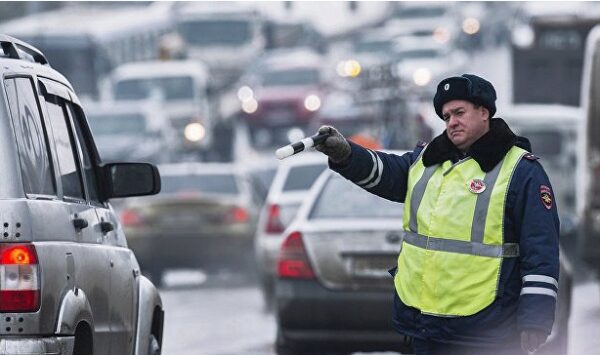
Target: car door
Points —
{"points": [[122, 270], [90, 261]]}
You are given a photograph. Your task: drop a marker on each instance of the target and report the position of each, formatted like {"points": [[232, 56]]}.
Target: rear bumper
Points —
{"points": [[310, 315], [46, 345]]}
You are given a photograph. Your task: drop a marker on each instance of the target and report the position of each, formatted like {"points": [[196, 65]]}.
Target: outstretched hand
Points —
{"points": [[335, 146]]}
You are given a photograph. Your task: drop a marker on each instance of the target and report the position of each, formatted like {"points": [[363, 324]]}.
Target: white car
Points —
{"points": [[291, 183], [130, 131], [180, 87]]}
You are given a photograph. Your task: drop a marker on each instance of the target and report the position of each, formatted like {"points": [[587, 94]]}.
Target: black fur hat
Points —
{"points": [[467, 87]]}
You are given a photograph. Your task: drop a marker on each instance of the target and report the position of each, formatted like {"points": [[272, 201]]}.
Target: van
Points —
{"points": [[68, 282]]}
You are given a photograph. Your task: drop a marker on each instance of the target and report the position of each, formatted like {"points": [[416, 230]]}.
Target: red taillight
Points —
{"points": [[130, 218], [274, 224], [19, 285], [293, 260], [238, 215]]}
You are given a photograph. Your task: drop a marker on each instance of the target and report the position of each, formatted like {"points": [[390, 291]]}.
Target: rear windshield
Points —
{"points": [[209, 184], [126, 123], [302, 177], [342, 199]]}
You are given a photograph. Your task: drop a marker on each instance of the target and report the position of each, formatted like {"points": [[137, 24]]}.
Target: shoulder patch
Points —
{"points": [[421, 144], [546, 196], [531, 156]]}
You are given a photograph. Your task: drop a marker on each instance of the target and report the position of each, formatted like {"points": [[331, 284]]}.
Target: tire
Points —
{"points": [[153, 346], [83, 341]]}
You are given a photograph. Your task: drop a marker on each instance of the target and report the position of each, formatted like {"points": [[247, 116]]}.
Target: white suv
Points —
{"points": [[68, 282]]}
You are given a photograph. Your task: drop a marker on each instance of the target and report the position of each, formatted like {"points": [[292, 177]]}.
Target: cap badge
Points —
{"points": [[477, 186], [447, 87]]}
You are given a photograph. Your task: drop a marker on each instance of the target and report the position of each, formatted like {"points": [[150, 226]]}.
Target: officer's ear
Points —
{"points": [[484, 111]]}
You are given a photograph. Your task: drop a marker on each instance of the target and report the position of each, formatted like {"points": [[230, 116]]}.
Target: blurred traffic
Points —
{"points": [[209, 91]]}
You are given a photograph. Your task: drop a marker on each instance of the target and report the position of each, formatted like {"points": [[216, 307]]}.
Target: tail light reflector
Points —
{"points": [[274, 225], [293, 260], [130, 218], [19, 279], [238, 215]]}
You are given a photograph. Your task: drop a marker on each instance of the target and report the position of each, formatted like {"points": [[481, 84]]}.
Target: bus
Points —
{"points": [[588, 176], [225, 36], [85, 43], [547, 53]]}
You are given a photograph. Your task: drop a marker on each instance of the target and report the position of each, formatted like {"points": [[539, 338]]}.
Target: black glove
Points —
{"points": [[532, 339], [335, 146]]}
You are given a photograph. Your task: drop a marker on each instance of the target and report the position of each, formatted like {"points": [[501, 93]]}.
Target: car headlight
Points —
{"points": [[250, 106], [245, 93], [194, 132], [523, 36], [422, 76], [441, 34], [348, 68], [471, 26], [312, 103]]}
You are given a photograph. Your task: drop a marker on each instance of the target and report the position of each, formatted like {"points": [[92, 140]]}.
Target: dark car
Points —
{"points": [[334, 291], [205, 216]]}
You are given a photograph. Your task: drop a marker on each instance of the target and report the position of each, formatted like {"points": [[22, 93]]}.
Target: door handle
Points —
{"points": [[106, 227], [80, 223]]}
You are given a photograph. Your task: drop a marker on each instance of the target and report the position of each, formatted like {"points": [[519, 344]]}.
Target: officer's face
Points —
{"points": [[465, 123]]}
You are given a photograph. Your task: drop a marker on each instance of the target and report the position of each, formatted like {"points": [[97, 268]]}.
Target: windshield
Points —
{"points": [[291, 77], [170, 88], [302, 177], [342, 199], [419, 12], [215, 32], [208, 184], [114, 124], [372, 46], [418, 53]]}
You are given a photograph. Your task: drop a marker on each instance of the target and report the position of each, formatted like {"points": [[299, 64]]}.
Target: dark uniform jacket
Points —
{"points": [[531, 220]]}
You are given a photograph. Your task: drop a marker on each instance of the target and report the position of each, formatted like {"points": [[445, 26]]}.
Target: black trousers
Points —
{"points": [[428, 347]]}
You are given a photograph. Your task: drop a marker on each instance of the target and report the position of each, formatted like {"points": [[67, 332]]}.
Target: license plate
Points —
{"points": [[372, 267]]}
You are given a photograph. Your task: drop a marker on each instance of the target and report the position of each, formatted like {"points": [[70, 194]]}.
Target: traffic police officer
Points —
{"points": [[478, 268]]}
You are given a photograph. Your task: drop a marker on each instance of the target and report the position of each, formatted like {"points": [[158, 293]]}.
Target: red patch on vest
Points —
{"points": [[477, 186], [546, 196]]}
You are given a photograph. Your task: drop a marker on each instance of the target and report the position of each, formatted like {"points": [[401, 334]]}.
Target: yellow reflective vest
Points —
{"points": [[453, 242]]}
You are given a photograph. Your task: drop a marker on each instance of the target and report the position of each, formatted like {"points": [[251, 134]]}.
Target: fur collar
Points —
{"points": [[487, 151]]}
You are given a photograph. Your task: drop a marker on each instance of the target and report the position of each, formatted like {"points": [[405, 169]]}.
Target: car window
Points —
{"points": [[342, 199], [291, 77], [118, 123], [171, 88], [208, 184], [302, 177], [66, 155], [31, 137], [88, 166]]}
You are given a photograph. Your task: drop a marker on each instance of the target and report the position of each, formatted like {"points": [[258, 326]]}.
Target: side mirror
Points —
{"points": [[130, 179]]}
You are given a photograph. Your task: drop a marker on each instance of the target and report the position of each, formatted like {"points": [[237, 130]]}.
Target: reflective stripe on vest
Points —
{"points": [[453, 246]]}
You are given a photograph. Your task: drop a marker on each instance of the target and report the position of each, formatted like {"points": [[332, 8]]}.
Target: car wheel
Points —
{"points": [[154, 346]]}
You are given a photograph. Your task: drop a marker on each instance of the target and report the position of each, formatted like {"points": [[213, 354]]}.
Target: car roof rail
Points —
{"points": [[17, 49]]}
